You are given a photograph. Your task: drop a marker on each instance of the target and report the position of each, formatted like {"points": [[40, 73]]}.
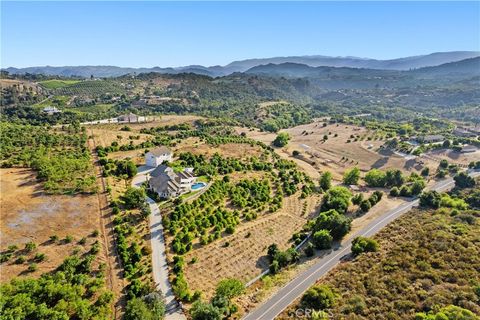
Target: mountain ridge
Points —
{"points": [[399, 64]]}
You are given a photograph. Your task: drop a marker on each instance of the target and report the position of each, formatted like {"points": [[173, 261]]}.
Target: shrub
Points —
{"points": [[229, 288], [463, 180], [322, 239], [32, 267], [281, 140], [309, 249], [365, 205], [318, 298], [363, 244], [326, 181], [351, 176], [30, 246], [394, 192]]}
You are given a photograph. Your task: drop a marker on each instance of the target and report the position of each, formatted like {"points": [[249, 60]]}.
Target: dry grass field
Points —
{"points": [[336, 154], [245, 256], [28, 214]]}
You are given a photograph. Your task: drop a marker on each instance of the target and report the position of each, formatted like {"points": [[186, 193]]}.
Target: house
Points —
{"points": [[169, 184], [157, 156], [51, 110], [131, 117]]}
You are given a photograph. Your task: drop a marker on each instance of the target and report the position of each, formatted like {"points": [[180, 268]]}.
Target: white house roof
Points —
{"points": [[160, 151]]}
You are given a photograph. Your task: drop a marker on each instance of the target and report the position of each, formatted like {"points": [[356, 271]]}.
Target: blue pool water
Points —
{"points": [[198, 185]]}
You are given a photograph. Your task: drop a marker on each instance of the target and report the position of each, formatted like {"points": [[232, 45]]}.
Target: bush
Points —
{"points": [[351, 176], [463, 180], [365, 205], [205, 311], [338, 225], [430, 199], [337, 198], [363, 244], [318, 298], [229, 288], [30, 246], [326, 181], [281, 140], [322, 239], [134, 197], [32, 267], [357, 199], [309, 249], [394, 192]]}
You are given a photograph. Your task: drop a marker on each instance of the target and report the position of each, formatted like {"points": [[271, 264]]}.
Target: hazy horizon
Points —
{"points": [[166, 34]]}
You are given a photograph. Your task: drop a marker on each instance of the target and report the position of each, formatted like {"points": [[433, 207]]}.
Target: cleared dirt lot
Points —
{"points": [[339, 152], [245, 256], [27, 214]]}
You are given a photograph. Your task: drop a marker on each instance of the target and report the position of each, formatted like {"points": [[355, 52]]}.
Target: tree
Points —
{"points": [[375, 178], [205, 311], [272, 250], [430, 199], [394, 192], [417, 187], [463, 180], [365, 205], [318, 298], [322, 239], [443, 164], [425, 172], [229, 288], [337, 198], [326, 180], [134, 197], [363, 244], [351, 176], [336, 223], [281, 140], [446, 144]]}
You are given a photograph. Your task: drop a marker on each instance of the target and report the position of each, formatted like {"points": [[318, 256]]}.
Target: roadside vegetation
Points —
{"points": [[422, 266]]}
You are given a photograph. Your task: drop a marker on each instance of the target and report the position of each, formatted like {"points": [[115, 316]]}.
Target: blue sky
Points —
{"points": [[209, 33]]}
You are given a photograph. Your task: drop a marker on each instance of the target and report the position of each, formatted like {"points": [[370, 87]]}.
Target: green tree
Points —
{"points": [[337, 198], [281, 140], [229, 288], [375, 178], [463, 180], [134, 197], [322, 239], [336, 223], [205, 311], [363, 244], [430, 199], [318, 298], [351, 176], [326, 180]]}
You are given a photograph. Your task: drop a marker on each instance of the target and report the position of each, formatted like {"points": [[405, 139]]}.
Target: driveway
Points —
{"points": [[159, 257]]}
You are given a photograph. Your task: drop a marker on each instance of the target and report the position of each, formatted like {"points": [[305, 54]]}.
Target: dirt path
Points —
{"points": [[115, 279]]}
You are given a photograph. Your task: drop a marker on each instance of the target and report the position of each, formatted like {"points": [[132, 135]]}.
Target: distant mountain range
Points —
{"points": [[289, 66]]}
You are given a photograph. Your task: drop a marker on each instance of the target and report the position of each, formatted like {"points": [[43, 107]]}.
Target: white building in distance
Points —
{"points": [[157, 156]]}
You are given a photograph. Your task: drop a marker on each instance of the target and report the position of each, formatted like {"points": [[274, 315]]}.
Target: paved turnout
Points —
{"points": [[295, 288]]}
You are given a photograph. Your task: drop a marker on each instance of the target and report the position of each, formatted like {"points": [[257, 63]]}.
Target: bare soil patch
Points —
{"points": [[28, 214]]}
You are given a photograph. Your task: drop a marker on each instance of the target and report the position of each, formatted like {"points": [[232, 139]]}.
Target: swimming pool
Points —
{"points": [[198, 185]]}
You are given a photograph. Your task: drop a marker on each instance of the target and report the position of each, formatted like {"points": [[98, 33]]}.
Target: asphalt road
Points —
{"points": [[294, 289]]}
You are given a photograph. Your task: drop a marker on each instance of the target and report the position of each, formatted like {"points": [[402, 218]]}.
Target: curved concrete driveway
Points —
{"points": [[295, 288], [159, 257]]}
